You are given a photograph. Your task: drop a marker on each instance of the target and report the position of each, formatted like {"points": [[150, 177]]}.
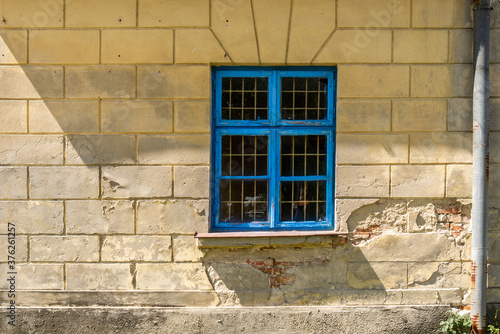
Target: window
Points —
{"points": [[273, 148]]}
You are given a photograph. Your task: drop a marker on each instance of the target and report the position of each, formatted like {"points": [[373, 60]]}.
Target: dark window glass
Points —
{"points": [[302, 200], [244, 98], [244, 155], [243, 201], [304, 98], [303, 155]]}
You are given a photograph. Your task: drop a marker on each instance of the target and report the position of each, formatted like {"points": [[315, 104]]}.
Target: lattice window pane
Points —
{"points": [[304, 98], [303, 155], [244, 155], [245, 98], [243, 200], [302, 200]]}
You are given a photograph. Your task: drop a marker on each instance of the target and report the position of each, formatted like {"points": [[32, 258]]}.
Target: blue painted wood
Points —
{"points": [[274, 128]]}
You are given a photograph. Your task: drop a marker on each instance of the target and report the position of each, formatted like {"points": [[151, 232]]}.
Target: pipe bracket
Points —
{"points": [[488, 7]]}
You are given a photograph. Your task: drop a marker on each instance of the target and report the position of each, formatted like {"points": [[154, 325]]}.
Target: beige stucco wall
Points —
{"points": [[105, 109]]}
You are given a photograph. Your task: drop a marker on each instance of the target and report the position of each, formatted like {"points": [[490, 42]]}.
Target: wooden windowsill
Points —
{"points": [[266, 234], [265, 238]]}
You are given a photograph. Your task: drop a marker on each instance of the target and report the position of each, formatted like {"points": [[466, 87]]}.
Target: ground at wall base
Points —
{"points": [[290, 320]]}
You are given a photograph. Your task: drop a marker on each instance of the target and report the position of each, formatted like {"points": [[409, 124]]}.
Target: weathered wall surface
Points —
{"points": [[105, 111]]}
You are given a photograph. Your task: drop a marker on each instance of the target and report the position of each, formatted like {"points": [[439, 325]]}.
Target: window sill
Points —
{"points": [[267, 238]]}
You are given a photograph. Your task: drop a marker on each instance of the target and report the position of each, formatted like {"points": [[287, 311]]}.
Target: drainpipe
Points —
{"points": [[480, 163]]}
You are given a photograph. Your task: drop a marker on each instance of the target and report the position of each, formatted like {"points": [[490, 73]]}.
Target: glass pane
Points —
{"points": [[249, 114], [236, 99], [249, 83], [303, 155], [287, 100], [302, 201], [261, 100], [244, 98], [299, 100], [300, 114], [300, 84], [225, 113], [287, 84], [243, 200], [249, 99], [262, 84], [261, 162], [236, 83], [244, 155], [304, 98]]}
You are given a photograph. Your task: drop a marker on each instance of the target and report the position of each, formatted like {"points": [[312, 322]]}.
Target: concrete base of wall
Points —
{"points": [[382, 319]]}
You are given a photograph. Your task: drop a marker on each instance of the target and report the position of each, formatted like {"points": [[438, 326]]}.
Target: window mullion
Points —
{"points": [[274, 94], [272, 167], [273, 110]]}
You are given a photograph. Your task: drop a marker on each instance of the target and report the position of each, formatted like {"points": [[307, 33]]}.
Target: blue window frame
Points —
{"points": [[273, 148]]}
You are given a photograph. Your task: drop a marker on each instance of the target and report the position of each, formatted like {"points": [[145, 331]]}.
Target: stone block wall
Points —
{"points": [[105, 134]]}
